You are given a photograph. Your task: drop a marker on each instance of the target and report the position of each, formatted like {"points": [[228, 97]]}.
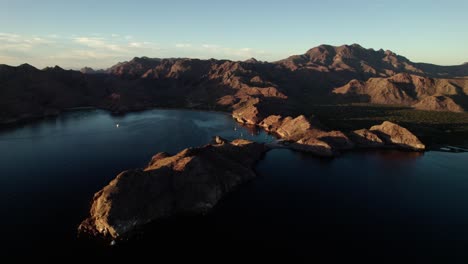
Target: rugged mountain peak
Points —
{"points": [[251, 60], [89, 70], [86, 70], [355, 45], [354, 59], [389, 53], [144, 59], [56, 68], [27, 67]]}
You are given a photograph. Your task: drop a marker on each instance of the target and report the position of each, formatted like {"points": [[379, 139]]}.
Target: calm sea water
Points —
{"points": [[379, 204]]}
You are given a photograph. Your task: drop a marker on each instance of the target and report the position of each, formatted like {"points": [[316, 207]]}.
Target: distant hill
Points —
{"points": [[89, 70], [368, 62], [407, 89], [324, 74]]}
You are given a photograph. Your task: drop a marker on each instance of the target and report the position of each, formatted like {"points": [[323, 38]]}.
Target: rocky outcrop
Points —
{"points": [[366, 138], [249, 114], [314, 146], [306, 135], [293, 128], [190, 182], [302, 135], [438, 103], [271, 123], [399, 136], [336, 139]]}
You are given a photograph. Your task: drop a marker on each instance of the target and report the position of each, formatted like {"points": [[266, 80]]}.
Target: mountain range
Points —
{"points": [[323, 75]]}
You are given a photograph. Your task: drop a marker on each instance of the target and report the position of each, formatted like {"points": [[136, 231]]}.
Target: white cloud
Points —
{"points": [[100, 43], [15, 42], [210, 46], [183, 45], [4, 59], [135, 44], [9, 37], [15, 46], [100, 51], [218, 51], [82, 55], [39, 40]]}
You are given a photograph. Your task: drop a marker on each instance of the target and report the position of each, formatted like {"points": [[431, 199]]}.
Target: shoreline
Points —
{"points": [[13, 123]]}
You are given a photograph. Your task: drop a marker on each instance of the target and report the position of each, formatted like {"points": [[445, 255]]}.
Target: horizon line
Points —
{"points": [[225, 59]]}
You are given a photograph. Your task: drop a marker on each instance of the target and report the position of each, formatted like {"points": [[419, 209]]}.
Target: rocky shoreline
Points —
{"points": [[302, 134]]}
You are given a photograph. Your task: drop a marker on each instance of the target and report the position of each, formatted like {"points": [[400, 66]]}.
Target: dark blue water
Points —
{"points": [[378, 205]]}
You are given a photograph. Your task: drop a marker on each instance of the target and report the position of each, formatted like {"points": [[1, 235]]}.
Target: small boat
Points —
{"points": [[117, 125]]}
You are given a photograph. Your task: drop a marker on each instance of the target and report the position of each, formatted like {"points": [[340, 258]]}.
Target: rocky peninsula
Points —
{"points": [[309, 135]]}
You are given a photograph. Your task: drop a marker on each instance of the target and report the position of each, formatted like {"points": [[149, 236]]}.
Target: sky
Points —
{"points": [[74, 34]]}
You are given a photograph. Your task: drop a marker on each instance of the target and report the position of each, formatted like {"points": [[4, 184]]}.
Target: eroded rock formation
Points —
{"points": [[366, 138], [394, 134]]}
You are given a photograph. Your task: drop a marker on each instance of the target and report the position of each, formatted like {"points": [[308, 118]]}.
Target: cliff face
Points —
{"points": [[190, 182]]}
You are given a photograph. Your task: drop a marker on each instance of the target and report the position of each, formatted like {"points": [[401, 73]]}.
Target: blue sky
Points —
{"points": [[96, 33]]}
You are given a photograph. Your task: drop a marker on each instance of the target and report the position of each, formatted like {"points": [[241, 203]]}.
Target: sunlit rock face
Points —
{"points": [[399, 136]]}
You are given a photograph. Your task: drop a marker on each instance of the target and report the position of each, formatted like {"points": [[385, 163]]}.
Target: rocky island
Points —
{"points": [[190, 182]]}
